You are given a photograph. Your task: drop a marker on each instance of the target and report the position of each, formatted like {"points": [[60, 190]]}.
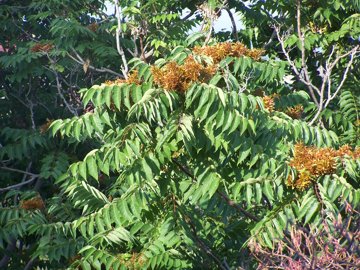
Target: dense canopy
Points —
{"points": [[135, 136]]}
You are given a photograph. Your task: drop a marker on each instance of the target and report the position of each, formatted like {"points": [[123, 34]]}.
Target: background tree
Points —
{"points": [[177, 151]]}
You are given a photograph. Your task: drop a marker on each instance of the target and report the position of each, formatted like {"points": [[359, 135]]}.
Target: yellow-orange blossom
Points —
{"points": [[312, 162]]}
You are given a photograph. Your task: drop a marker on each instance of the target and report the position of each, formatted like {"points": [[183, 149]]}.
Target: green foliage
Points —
{"points": [[164, 154], [20, 143], [123, 174]]}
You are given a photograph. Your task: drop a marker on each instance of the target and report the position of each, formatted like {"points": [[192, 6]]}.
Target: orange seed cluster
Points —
{"points": [[44, 127], [221, 50], [32, 204], [93, 27], [312, 162], [132, 78], [177, 77], [269, 103], [39, 47], [173, 76], [295, 112]]}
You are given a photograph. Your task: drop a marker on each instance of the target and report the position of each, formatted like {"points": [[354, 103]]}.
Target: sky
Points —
{"points": [[223, 23]]}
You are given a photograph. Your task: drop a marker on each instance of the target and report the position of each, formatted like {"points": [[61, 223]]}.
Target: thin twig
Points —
{"points": [[353, 52], [327, 80], [310, 86], [302, 48], [208, 37], [273, 35], [18, 171], [81, 61], [30, 106], [32, 179], [124, 66], [301, 36], [59, 87], [326, 73], [136, 49]]}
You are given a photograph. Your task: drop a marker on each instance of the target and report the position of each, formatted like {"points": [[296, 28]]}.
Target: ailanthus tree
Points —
{"points": [[164, 151]]}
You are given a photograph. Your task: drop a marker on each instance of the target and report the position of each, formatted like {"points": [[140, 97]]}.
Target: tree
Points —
{"points": [[183, 150]]}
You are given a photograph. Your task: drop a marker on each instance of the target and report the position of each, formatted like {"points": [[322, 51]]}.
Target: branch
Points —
{"points": [[352, 53], [237, 207], [353, 50], [23, 182], [301, 36], [29, 104], [327, 80], [58, 86], [81, 61], [222, 195], [234, 29], [305, 80], [302, 48], [31, 107], [188, 16], [136, 49], [18, 171], [273, 34], [32, 179], [124, 66], [149, 53], [208, 37], [325, 73], [18, 99], [203, 246]]}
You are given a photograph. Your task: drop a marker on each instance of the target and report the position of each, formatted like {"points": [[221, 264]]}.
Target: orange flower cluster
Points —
{"points": [[93, 27], [269, 103], [312, 162], [173, 76], [177, 77], [295, 112], [221, 50], [32, 204], [135, 261], [38, 47], [132, 78], [44, 127]]}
